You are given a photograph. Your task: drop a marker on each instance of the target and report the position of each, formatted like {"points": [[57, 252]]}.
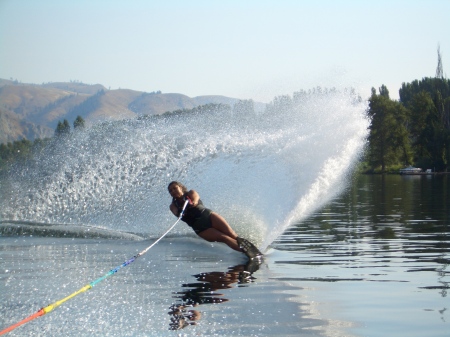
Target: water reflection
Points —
{"points": [[185, 311], [381, 223]]}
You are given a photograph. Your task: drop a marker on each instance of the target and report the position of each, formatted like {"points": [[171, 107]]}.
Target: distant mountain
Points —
{"points": [[33, 111], [77, 87], [155, 104]]}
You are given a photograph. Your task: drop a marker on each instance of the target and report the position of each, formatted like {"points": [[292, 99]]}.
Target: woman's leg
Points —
{"points": [[213, 235], [219, 223], [221, 231]]}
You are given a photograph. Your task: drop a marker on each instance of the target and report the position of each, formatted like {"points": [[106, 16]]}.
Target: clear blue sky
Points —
{"points": [[243, 49]]}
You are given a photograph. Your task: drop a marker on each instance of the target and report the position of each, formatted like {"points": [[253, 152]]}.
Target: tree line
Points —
{"points": [[20, 150], [412, 131]]}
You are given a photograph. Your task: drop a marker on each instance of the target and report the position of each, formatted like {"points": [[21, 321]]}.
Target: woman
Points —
{"points": [[207, 224]]}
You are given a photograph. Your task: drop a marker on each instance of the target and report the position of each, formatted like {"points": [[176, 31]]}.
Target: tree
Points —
{"points": [[400, 138], [429, 102], [433, 134], [280, 104], [422, 112], [245, 107], [388, 135], [16, 151], [63, 128], [79, 123], [384, 92]]}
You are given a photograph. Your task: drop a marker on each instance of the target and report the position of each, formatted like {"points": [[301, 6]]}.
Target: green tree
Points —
{"points": [[388, 135], [79, 123], [400, 138], [429, 102], [421, 129], [63, 128], [16, 151]]}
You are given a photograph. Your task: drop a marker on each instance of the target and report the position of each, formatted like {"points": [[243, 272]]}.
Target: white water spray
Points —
{"points": [[262, 172]]}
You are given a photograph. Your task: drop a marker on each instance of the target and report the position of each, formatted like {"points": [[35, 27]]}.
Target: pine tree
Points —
{"points": [[63, 128], [79, 123]]}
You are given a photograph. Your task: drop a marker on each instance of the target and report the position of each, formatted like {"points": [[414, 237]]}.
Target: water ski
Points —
{"points": [[249, 248]]}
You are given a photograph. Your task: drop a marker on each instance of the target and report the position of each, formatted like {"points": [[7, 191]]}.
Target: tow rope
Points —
{"points": [[53, 306]]}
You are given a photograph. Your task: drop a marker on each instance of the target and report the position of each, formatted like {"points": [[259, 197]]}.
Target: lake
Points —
{"points": [[376, 259], [372, 262]]}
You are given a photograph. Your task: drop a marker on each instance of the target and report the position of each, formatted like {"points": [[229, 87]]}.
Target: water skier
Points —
{"points": [[207, 224]]}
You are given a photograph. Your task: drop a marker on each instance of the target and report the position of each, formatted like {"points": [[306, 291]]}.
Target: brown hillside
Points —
{"points": [[13, 128], [26, 100], [57, 111], [76, 87], [202, 100], [155, 104], [10, 128], [114, 106], [32, 111], [4, 82]]}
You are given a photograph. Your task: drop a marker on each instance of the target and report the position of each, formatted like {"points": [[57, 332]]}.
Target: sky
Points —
{"points": [[243, 49]]}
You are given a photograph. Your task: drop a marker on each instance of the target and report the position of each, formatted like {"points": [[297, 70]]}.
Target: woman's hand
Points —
{"points": [[193, 197]]}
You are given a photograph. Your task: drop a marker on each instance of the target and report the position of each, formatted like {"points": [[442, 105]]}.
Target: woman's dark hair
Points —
{"points": [[183, 188]]}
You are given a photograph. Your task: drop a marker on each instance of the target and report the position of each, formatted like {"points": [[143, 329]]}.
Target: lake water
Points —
{"points": [[377, 258], [371, 262]]}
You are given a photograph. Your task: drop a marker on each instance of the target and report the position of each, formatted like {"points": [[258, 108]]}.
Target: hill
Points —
{"points": [[33, 111], [13, 128]]}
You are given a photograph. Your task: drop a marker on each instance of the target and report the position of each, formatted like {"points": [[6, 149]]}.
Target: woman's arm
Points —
{"points": [[174, 210], [194, 197]]}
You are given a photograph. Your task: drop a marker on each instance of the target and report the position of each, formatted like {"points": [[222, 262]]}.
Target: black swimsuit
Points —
{"points": [[198, 217]]}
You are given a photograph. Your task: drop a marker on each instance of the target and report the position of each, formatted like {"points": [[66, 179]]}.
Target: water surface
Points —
{"points": [[372, 262], [377, 257]]}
